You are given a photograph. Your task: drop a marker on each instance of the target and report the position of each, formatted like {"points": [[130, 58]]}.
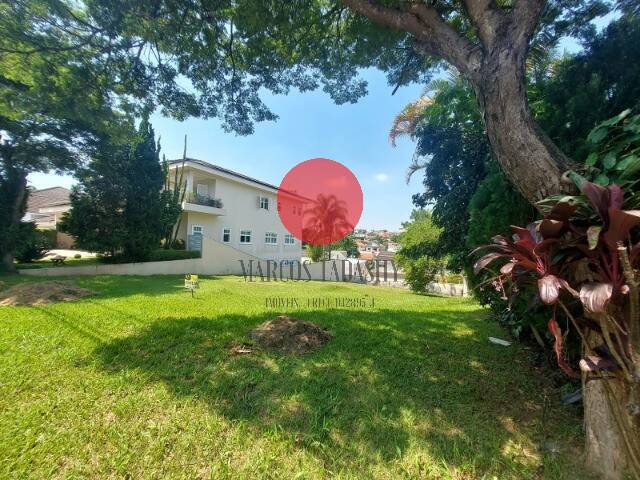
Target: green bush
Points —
{"points": [[32, 244], [419, 273], [163, 255]]}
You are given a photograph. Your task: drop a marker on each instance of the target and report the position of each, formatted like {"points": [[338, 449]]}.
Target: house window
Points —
{"points": [[202, 190], [289, 239], [226, 235], [197, 230], [245, 236], [264, 203], [270, 238]]}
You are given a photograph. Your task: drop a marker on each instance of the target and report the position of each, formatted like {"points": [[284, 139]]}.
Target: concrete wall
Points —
{"points": [[449, 289], [217, 259]]}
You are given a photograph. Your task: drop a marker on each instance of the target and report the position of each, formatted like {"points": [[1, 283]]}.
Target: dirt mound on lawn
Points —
{"points": [[290, 335], [42, 293]]}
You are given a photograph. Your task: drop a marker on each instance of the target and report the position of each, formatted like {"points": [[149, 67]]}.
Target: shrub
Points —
{"points": [[33, 244], [419, 273], [163, 255], [77, 255]]}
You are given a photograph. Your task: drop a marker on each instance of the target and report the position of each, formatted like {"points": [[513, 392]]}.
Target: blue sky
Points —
{"points": [[310, 126]]}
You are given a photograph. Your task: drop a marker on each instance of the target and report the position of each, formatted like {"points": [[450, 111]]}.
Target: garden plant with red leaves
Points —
{"points": [[582, 257]]}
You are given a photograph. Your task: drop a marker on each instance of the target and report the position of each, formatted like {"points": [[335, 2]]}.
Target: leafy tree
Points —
{"points": [[119, 206], [419, 236], [418, 254], [348, 244], [581, 91], [53, 109], [453, 150], [228, 52], [33, 244], [421, 272], [316, 252]]}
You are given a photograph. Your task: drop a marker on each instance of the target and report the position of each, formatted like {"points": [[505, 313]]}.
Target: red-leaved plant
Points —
{"points": [[589, 254]]}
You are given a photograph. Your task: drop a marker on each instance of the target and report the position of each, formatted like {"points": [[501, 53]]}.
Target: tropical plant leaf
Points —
{"points": [[549, 289], [486, 260], [550, 228], [597, 135], [591, 159], [554, 328], [620, 223], [613, 120], [595, 296], [609, 161], [593, 235], [599, 197]]}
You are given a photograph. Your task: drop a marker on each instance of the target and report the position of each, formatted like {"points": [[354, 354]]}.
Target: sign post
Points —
{"points": [[191, 283]]}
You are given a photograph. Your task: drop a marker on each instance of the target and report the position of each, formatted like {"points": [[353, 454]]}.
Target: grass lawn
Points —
{"points": [[136, 382]]}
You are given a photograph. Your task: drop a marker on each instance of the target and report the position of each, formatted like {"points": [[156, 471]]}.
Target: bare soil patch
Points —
{"points": [[290, 335], [42, 293]]}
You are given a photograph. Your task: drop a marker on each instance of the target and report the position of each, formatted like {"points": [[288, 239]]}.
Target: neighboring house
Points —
{"points": [[45, 207], [372, 247], [234, 209], [393, 247]]}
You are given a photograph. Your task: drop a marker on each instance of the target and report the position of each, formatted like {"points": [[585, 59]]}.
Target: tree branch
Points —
{"points": [[524, 19], [433, 35], [487, 17]]}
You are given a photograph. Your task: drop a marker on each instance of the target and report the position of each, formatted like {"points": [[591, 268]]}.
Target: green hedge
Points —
{"points": [[162, 255]]}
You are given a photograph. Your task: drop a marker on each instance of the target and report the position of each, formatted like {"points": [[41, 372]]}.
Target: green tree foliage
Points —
{"points": [[53, 109], [33, 244], [596, 84], [119, 206], [418, 255], [64, 61], [453, 151], [347, 244], [316, 252], [421, 272]]}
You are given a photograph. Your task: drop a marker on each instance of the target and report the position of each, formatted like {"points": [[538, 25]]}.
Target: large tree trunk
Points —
{"points": [[495, 66], [612, 429], [527, 156], [13, 192]]}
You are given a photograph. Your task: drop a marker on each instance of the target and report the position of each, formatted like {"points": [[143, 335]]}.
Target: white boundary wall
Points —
{"points": [[220, 259]]}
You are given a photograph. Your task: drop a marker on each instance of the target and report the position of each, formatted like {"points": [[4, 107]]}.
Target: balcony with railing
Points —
{"points": [[203, 204]]}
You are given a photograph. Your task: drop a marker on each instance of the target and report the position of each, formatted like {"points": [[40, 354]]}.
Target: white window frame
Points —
{"points": [[264, 203], [226, 231], [271, 235], [289, 239], [193, 228], [245, 233]]}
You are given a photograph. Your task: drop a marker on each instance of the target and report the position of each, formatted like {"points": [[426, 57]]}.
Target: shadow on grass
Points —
{"points": [[114, 286], [386, 380]]}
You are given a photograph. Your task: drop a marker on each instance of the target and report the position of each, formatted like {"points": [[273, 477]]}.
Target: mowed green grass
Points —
{"points": [[137, 382]]}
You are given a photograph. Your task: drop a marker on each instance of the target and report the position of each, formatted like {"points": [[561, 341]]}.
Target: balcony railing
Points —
{"points": [[204, 200]]}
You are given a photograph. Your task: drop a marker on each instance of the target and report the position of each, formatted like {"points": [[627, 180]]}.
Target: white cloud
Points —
{"points": [[381, 177]]}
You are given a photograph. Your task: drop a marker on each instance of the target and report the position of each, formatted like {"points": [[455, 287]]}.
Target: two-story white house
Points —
{"points": [[233, 209]]}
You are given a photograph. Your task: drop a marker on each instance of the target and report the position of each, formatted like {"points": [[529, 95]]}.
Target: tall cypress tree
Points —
{"points": [[143, 209], [118, 206]]}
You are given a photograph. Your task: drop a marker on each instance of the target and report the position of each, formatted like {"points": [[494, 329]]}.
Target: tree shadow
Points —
{"points": [[117, 286], [386, 380]]}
